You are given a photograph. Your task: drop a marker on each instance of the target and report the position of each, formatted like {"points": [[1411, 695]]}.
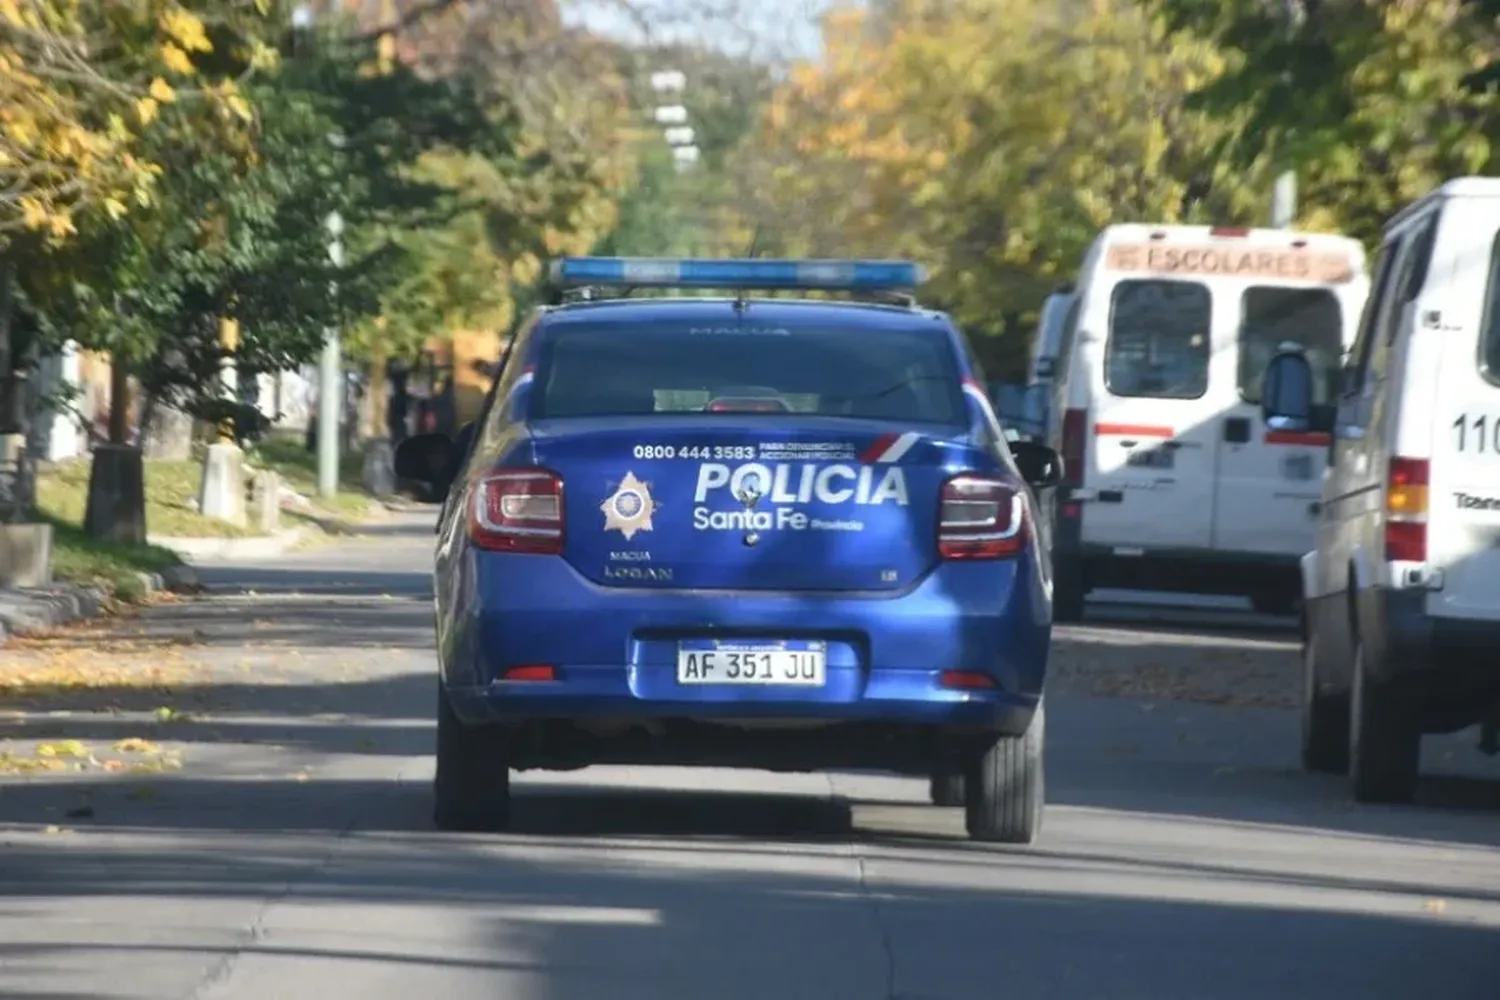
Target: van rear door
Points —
{"points": [[1268, 481], [1150, 457], [1463, 530]]}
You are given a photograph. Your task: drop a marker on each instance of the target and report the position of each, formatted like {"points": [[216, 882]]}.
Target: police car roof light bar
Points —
{"points": [[760, 274]]}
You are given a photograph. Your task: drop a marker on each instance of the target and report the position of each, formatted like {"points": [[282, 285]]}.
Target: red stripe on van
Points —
{"points": [[1317, 439], [1133, 430]]}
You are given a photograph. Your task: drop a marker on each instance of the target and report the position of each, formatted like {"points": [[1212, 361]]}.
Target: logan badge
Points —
{"points": [[630, 508]]}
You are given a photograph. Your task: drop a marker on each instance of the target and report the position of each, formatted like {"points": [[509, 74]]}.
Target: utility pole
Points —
{"points": [[1284, 194], [330, 367], [331, 376]]}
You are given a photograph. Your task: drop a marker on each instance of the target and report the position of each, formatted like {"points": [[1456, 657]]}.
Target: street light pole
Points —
{"points": [[1284, 194], [331, 376], [330, 366]]}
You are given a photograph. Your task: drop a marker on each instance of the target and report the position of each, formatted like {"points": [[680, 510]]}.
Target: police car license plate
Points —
{"points": [[710, 661]]}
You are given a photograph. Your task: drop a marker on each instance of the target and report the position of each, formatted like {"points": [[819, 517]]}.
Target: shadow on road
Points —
{"points": [[696, 916]]}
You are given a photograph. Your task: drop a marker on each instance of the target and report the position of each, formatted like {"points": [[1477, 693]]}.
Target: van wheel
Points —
{"points": [[1385, 745], [1006, 787], [1325, 720], [471, 789], [1068, 592], [946, 789]]}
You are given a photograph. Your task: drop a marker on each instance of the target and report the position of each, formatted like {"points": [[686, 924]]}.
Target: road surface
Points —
{"points": [[256, 826]]}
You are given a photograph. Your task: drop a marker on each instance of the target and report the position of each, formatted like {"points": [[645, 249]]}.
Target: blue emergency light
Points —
{"points": [[730, 273]]}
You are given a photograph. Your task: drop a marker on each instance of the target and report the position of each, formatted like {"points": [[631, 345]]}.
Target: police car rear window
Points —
{"points": [[1158, 339], [618, 370]]}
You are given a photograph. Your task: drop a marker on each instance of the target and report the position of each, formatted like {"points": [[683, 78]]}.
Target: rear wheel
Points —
{"points": [[471, 789], [1005, 786], [1068, 592], [1385, 744], [946, 788], [1325, 720]]}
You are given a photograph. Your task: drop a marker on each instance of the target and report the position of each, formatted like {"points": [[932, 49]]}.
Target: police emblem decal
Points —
{"points": [[629, 508]]}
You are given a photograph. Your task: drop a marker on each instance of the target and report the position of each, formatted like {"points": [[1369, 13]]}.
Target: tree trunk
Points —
{"points": [[378, 403], [12, 389], [119, 400]]}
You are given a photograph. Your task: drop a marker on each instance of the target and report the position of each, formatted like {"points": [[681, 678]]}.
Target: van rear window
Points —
{"points": [[610, 370], [1310, 318], [1158, 339]]}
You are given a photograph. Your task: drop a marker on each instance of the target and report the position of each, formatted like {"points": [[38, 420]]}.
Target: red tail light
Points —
{"points": [[747, 404], [981, 518], [1406, 510], [518, 510], [1075, 429], [1228, 231]]}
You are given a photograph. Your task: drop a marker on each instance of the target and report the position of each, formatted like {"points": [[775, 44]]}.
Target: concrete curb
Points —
{"points": [[196, 549], [41, 608]]}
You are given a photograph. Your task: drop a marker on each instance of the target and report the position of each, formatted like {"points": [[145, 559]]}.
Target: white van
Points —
{"points": [[1049, 359], [1402, 591], [1173, 482], [1047, 348]]}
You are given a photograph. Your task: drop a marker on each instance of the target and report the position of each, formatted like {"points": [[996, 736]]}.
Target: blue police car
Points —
{"points": [[770, 532]]}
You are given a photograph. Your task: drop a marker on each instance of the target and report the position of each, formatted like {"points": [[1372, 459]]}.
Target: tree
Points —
{"points": [[992, 139], [81, 87], [80, 83], [1373, 102]]}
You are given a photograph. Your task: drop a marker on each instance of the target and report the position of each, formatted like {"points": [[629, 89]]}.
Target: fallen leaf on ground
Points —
{"points": [[65, 748]]}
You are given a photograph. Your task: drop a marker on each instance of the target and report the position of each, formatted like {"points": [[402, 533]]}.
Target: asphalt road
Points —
{"points": [[269, 838]]}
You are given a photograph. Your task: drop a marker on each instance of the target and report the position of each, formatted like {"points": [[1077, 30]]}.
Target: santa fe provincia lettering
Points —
{"points": [[781, 484]]}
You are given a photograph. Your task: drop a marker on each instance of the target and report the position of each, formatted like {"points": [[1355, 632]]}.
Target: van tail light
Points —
{"points": [[1406, 510], [518, 510], [981, 518], [1075, 428]]}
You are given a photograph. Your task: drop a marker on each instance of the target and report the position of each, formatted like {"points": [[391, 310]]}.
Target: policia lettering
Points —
{"points": [[782, 483]]}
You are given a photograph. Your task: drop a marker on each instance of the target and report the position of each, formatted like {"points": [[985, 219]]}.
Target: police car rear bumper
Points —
{"points": [[613, 650]]}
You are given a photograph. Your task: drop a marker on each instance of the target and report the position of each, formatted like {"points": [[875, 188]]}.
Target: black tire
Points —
{"points": [[471, 788], [1006, 787], [946, 789], [1385, 743], [1325, 721], [1068, 593]]}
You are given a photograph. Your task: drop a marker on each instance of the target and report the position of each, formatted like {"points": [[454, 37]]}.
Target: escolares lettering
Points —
{"points": [[785, 482]]}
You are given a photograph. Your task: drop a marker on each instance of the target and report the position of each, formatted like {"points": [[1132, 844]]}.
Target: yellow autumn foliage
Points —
{"points": [[79, 83], [991, 139]]}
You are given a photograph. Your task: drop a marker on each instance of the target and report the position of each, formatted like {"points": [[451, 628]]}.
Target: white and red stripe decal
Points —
{"points": [[889, 448]]}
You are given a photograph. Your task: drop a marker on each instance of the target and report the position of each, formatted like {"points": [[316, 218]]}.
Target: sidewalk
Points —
{"points": [[37, 609], [261, 657]]}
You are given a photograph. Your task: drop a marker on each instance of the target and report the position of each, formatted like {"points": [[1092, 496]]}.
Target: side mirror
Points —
{"points": [[1045, 366], [430, 459], [1039, 465], [1286, 394]]}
